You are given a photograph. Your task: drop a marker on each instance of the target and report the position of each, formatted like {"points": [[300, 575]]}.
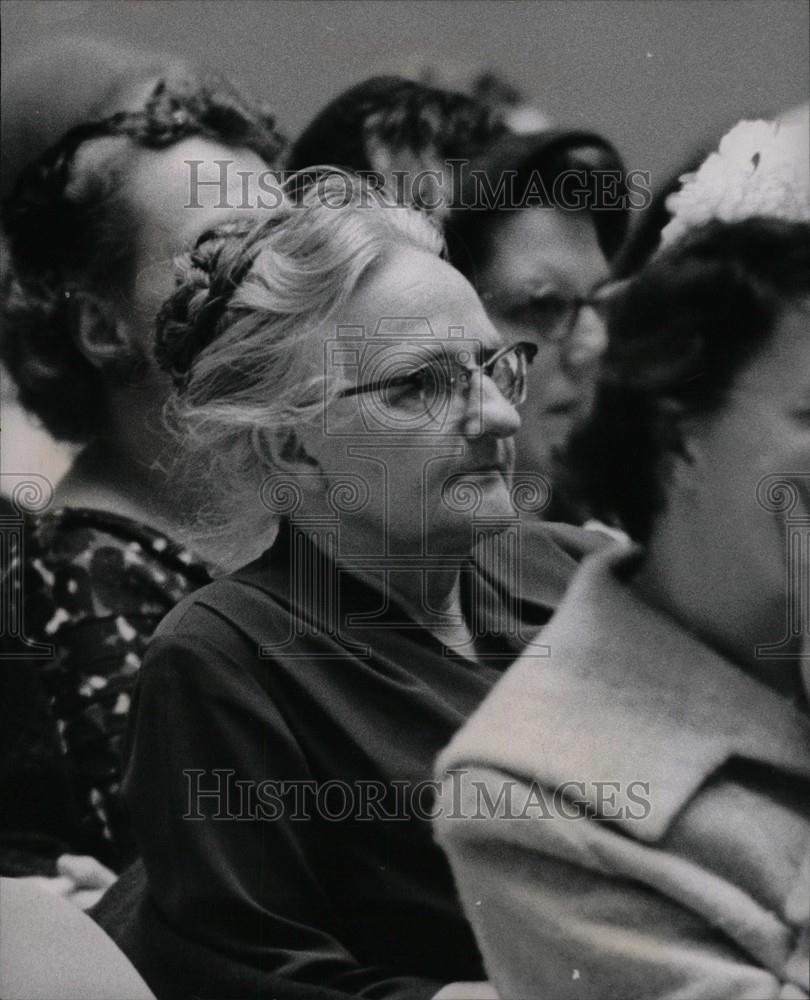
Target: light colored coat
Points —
{"points": [[700, 890]]}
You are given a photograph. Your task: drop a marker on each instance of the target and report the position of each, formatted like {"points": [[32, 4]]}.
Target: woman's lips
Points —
{"points": [[563, 408], [490, 470]]}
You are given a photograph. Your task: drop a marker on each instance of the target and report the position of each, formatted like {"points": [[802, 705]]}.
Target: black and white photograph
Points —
{"points": [[405, 500]]}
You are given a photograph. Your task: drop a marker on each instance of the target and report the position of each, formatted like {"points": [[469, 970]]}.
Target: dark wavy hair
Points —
{"points": [[68, 231], [679, 335], [645, 237], [558, 168], [401, 113]]}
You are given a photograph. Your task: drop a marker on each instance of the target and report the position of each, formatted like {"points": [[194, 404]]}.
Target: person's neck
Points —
{"points": [[105, 477], [131, 467], [431, 598], [680, 577]]}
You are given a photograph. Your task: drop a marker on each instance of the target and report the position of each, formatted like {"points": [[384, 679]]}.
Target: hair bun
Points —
{"points": [[206, 278]]}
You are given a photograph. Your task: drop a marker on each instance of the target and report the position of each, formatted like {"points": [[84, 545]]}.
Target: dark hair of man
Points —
{"points": [[400, 113]]}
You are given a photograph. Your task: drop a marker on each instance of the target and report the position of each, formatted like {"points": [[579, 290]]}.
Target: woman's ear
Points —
{"points": [[107, 341], [103, 338], [287, 453], [286, 457], [292, 452], [685, 463]]}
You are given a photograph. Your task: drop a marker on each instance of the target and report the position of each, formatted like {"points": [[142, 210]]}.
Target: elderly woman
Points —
{"points": [[343, 386], [88, 227], [644, 788]]}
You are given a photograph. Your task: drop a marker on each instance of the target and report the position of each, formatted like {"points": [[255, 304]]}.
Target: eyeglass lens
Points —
{"points": [[445, 378], [509, 375]]}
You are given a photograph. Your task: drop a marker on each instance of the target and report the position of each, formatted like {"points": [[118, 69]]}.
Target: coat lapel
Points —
{"points": [[620, 693]]}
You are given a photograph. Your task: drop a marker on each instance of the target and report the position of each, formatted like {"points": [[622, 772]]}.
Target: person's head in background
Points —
{"points": [[520, 114], [438, 68], [91, 224], [534, 227], [705, 392], [403, 130], [64, 82], [644, 238]]}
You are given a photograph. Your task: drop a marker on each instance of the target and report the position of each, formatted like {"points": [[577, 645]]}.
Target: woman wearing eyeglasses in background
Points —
{"points": [[332, 365], [536, 221]]}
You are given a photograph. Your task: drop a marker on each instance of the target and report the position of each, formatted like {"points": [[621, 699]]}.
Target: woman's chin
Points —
{"points": [[538, 440], [479, 501], [533, 459]]}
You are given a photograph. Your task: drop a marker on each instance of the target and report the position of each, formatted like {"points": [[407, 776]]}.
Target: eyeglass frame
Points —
{"points": [[527, 348], [603, 294]]}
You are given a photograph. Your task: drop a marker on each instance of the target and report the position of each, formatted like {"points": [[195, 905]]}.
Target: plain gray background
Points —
{"points": [[656, 76]]}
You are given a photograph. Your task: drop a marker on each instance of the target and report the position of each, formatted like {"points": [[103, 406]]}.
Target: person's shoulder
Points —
{"points": [[82, 565], [227, 643], [118, 553], [575, 542], [548, 556], [246, 605]]}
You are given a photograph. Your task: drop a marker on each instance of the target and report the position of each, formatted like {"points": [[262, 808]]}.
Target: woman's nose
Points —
{"points": [[588, 339], [489, 411]]}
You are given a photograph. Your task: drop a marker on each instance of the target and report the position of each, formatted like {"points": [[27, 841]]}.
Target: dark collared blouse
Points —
{"points": [[320, 866]]}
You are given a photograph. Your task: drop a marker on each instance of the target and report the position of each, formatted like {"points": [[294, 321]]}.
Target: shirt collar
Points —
{"points": [[512, 584]]}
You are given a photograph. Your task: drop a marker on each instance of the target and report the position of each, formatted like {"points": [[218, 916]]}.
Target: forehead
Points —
{"points": [[539, 246], [414, 293], [172, 191], [171, 211]]}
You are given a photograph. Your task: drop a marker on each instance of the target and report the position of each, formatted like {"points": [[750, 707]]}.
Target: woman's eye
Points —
{"points": [[405, 391], [546, 309]]}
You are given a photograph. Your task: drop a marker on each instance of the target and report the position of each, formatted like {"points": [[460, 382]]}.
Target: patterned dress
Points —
{"points": [[93, 586]]}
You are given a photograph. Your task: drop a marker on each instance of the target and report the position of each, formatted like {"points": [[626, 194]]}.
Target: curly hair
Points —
{"points": [[577, 158], [70, 231], [681, 332], [236, 337], [400, 113]]}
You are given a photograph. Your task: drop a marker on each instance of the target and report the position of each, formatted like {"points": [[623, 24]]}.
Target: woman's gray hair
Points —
{"points": [[234, 337]]}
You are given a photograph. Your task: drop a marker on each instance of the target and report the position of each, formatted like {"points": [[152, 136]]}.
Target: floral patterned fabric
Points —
{"points": [[93, 586]]}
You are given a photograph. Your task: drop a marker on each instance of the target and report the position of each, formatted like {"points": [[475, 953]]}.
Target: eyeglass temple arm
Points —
{"points": [[388, 383]]}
